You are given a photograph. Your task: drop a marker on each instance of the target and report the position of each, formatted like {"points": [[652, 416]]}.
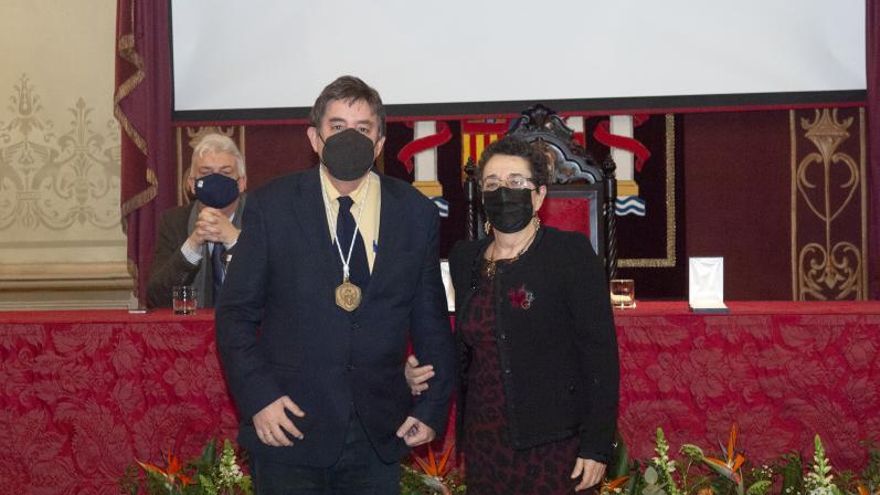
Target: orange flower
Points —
{"points": [[431, 467], [610, 486], [707, 490], [172, 473], [729, 468], [436, 471], [863, 490]]}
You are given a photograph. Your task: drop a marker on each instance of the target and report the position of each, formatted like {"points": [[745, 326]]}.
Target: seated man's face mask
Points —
{"points": [[216, 190], [348, 155]]}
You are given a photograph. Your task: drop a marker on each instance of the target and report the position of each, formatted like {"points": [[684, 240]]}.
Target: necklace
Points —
{"points": [[348, 295], [492, 263]]}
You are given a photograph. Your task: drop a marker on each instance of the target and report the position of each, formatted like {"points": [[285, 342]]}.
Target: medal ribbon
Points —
{"points": [[346, 259]]}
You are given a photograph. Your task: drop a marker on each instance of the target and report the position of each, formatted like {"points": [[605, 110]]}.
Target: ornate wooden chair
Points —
{"points": [[581, 196]]}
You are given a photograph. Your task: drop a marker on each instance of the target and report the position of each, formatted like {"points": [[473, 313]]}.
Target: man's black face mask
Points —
{"points": [[348, 155]]}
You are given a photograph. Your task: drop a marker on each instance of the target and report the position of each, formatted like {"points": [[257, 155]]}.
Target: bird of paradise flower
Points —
{"points": [[613, 486], [172, 473], [863, 490], [729, 467], [433, 472]]}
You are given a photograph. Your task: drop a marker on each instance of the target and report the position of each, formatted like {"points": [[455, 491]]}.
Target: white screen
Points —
{"points": [[278, 54]]}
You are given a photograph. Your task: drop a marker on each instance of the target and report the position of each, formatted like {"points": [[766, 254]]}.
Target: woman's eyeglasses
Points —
{"points": [[513, 181]]}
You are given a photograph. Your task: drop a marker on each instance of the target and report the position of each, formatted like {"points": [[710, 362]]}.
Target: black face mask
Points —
{"points": [[508, 210], [348, 155], [216, 190]]}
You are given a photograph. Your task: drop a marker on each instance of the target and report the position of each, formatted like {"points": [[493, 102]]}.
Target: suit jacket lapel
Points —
{"points": [[310, 212], [390, 229]]}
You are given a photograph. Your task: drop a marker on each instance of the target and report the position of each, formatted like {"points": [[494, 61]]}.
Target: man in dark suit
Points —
{"points": [[196, 240], [338, 268]]}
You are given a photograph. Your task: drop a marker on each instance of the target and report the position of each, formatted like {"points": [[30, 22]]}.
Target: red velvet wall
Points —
{"points": [[274, 150], [737, 199]]}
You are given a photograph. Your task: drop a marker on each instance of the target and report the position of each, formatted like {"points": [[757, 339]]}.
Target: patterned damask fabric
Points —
{"points": [[782, 371], [83, 394]]}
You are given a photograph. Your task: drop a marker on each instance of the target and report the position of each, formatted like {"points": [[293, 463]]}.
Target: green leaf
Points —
{"points": [[246, 486], [651, 476], [209, 453], [620, 464], [207, 485], [759, 487], [692, 451], [653, 490], [792, 478]]}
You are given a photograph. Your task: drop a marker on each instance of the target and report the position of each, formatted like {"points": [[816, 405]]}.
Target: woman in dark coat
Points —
{"points": [[539, 377]]}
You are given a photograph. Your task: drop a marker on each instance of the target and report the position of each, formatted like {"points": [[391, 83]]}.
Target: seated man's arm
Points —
{"points": [[170, 266]]}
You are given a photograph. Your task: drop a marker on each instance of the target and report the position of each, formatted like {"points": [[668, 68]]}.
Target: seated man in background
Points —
{"points": [[195, 241]]}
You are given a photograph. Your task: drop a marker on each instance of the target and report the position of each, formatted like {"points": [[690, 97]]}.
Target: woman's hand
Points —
{"points": [[591, 472], [417, 376]]}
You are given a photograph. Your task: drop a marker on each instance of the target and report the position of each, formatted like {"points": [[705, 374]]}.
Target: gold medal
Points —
{"points": [[348, 296]]}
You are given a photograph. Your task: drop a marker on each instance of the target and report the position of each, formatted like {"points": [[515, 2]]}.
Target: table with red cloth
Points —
{"points": [[84, 393], [783, 371]]}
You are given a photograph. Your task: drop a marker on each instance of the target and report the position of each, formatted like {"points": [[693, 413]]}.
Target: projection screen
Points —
{"points": [[269, 59]]}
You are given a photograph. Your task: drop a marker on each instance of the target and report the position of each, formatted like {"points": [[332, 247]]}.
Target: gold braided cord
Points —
{"points": [[127, 50], [141, 198]]}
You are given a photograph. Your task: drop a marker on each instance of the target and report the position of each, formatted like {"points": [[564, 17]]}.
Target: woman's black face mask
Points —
{"points": [[508, 210]]}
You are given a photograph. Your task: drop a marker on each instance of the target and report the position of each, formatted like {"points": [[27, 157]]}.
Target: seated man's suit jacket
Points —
{"points": [[279, 331], [170, 267]]}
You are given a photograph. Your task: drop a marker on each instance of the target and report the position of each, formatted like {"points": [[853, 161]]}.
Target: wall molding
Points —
{"points": [[28, 286]]}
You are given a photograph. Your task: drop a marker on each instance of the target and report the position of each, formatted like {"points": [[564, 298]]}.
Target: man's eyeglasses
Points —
{"points": [[513, 181]]}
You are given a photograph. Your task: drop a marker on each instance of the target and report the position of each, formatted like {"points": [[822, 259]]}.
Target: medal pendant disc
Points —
{"points": [[348, 296]]}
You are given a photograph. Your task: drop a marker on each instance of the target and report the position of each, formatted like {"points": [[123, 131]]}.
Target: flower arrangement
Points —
{"points": [[693, 473], [730, 474], [429, 476], [209, 474]]}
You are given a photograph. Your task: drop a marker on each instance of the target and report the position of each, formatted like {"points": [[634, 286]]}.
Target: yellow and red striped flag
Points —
{"points": [[476, 134]]}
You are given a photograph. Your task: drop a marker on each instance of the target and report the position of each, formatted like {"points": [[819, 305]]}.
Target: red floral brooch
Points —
{"points": [[520, 298]]}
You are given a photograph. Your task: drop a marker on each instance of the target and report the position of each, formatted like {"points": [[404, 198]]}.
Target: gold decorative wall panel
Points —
{"points": [[61, 243], [829, 205], [56, 179]]}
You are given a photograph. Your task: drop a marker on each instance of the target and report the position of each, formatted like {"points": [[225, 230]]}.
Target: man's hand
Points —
{"points": [[590, 471], [417, 377], [415, 433], [272, 421], [213, 226]]}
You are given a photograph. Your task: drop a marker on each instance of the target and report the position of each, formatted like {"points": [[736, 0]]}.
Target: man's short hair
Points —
{"points": [[349, 89], [217, 143]]}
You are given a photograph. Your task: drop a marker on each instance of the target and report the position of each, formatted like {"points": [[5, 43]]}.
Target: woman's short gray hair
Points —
{"points": [[218, 143]]}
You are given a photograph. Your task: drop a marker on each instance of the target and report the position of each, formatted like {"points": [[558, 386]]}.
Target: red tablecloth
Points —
{"points": [[84, 393], [782, 371]]}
